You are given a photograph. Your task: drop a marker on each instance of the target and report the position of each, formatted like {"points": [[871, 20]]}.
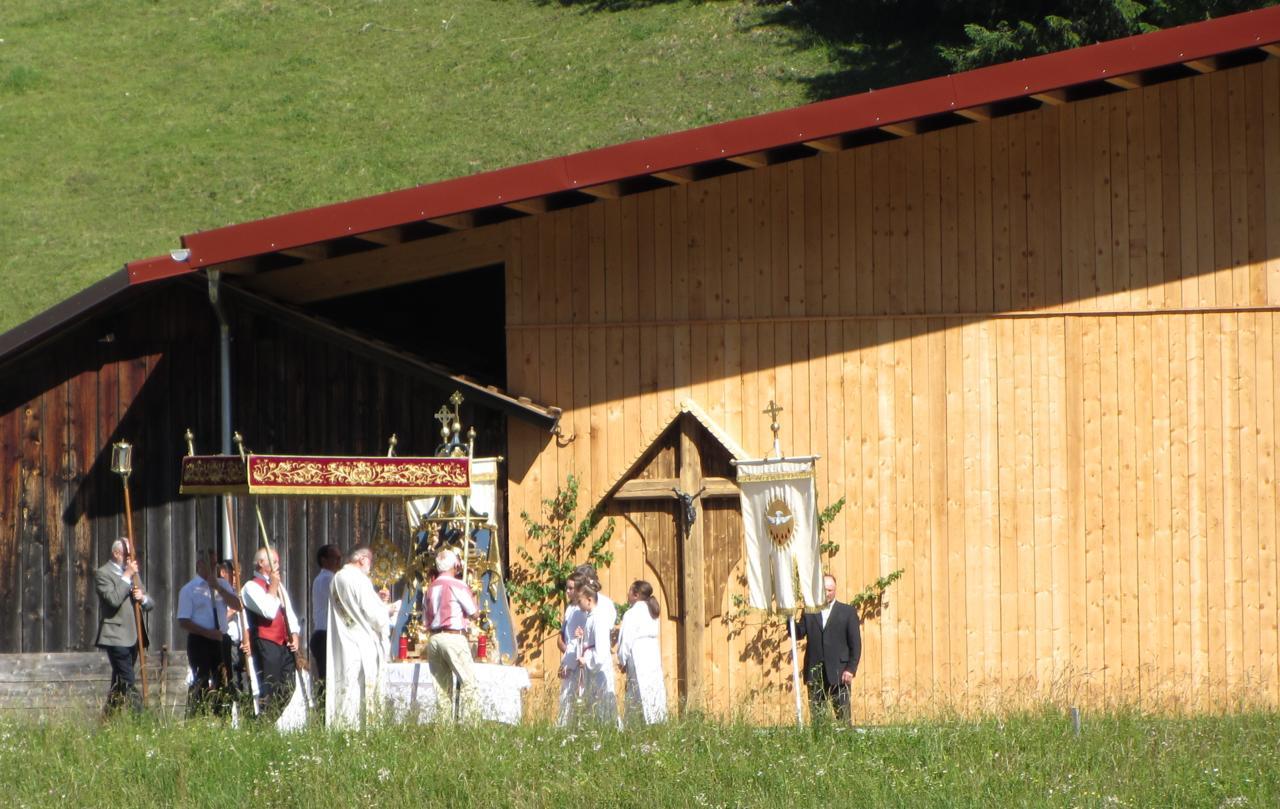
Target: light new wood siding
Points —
{"points": [[1037, 356]]}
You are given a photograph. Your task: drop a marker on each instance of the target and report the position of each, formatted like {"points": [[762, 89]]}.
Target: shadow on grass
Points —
{"points": [[872, 44]]}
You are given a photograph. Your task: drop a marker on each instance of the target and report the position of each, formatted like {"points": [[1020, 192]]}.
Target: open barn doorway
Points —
{"points": [[456, 321]]}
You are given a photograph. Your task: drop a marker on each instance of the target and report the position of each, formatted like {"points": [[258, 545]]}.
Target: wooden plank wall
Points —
{"points": [[145, 373], [1037, 355]]}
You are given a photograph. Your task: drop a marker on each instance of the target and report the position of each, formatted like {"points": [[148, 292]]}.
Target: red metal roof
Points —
{"points": [[999, 83]]}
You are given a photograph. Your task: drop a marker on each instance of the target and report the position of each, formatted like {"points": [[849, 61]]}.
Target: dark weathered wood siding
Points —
{"points": [[144, 373]]}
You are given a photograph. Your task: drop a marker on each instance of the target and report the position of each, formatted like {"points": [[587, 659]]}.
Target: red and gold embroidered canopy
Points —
{"points": [[311, 476]]}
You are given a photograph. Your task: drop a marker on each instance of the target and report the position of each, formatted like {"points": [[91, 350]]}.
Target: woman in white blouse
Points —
{"points": [[640, 656]]}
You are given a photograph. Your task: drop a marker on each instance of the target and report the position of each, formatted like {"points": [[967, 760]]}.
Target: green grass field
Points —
{"points": [[1027, 760], [126, 123]]}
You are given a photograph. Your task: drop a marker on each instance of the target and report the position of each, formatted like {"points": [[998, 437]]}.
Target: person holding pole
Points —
{"points": [[833, 646], [119, 589], [203, 603], [235, 643], [273, 633]]}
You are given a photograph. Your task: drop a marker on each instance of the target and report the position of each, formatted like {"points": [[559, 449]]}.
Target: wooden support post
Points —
{"points": [[692, 563]]}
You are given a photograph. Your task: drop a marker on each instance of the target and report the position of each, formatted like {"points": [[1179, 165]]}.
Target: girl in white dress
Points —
{"points": [[599, 696], [640, 656], [569, 640]]}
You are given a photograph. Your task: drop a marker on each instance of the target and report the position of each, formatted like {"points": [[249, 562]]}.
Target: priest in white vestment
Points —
{"points": [[640, 655], [358, 644]]}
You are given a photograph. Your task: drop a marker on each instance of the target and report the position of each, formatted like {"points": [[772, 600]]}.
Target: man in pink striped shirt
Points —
{"points": [[449, 605]]}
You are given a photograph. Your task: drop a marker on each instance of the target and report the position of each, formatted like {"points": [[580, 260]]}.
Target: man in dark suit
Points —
{"points": [[118, 588], [831, 653]]}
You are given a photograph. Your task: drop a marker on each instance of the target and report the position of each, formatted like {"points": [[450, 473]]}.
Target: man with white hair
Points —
{"points": [[358, 645], [118, 588], [449, 605], [273, 633]]}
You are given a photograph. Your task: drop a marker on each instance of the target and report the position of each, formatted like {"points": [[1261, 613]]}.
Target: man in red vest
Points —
{"points": [[273, 633]]}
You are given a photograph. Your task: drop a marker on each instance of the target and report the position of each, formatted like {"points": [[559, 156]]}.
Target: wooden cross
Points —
{"points": [[689, 483]]}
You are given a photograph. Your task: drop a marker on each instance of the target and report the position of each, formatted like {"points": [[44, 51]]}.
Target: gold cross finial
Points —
{"points": [[772, 411], [191, 441], [444, 417]]}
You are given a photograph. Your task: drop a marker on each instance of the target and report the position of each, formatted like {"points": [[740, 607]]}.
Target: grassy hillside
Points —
{"points": [[124, 123]]}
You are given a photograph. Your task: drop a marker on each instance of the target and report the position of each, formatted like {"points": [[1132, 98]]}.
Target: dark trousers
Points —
{"points": [[823, 697], [123, 687], [275, 666], [319, 664], [233, 659], [212, 687]]}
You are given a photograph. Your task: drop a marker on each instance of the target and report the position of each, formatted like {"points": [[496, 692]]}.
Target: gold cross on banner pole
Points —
{"points": [[772, 411]]}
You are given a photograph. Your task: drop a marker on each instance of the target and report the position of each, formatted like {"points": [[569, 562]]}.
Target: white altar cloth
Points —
{"points": [[411, 691]]}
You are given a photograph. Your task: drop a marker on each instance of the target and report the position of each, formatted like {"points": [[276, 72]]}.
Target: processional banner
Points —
{"points": [[312, 476], [483, 491], [780, 524]]}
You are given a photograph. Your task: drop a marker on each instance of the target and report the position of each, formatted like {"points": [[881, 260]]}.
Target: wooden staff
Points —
{"points": [[299, 663], [223, 675], [121, 464], [245, 646]]}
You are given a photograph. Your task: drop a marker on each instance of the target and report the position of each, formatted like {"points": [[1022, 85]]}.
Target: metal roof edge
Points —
{"points": [[780, 128], [26, 336]]}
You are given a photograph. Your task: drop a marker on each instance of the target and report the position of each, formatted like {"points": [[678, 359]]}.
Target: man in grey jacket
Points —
{"points": [[117, 628]]}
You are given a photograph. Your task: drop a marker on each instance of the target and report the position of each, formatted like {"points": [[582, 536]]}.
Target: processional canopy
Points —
{"points": [[313, 475]]}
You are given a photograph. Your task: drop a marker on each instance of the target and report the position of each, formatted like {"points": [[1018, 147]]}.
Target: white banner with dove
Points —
{"points": [[780, 524]]}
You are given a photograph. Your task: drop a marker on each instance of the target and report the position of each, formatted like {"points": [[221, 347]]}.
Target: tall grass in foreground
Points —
{"points": [[1120, 759]]}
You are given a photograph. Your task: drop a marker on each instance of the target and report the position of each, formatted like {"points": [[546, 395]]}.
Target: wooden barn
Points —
{"points": [[1028, 315]]}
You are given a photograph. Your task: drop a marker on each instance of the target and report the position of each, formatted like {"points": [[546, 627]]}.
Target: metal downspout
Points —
{"points": [[224, 394]]}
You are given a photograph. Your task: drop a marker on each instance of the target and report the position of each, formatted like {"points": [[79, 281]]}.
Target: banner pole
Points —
{"points": [[795, 671]]}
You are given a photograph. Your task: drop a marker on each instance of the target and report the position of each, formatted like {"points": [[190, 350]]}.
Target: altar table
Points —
{"points": [[411, 691]]}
